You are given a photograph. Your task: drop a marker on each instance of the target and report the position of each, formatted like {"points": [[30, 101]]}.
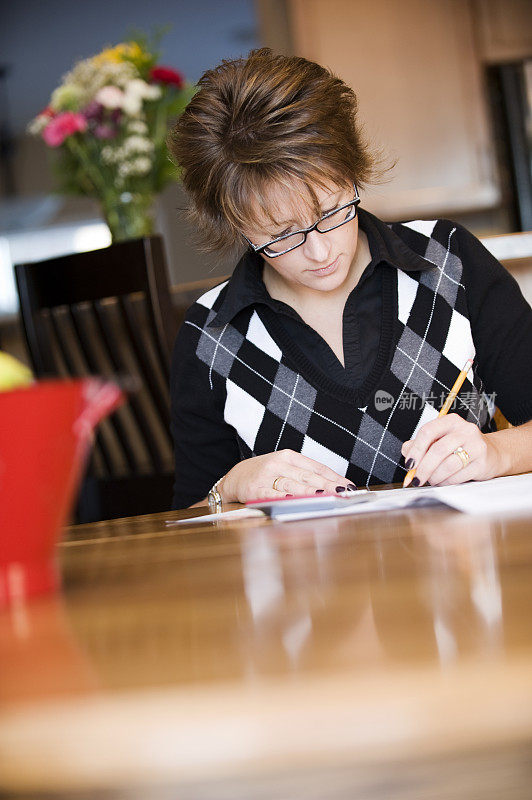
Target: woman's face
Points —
{"points": [[323, 262]]}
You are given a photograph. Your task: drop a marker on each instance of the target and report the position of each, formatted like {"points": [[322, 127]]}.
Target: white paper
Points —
{"points": [[237, 513], [512, 494], [499, 495], [509, 495]]}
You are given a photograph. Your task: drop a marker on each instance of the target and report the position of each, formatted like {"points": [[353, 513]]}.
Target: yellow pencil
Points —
{"points": [[457, 385]]}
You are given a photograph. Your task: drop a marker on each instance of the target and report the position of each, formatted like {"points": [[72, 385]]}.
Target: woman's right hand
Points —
{"points": [[296, 474]]}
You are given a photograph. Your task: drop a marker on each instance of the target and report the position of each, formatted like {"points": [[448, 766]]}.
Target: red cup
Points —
{"points": [[45, 434]]}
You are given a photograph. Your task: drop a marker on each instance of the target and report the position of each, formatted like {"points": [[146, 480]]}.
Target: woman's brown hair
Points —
{"points": [[265, 122]]}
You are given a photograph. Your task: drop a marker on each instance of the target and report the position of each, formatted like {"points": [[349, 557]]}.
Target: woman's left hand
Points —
{"points": [[432, 451]]}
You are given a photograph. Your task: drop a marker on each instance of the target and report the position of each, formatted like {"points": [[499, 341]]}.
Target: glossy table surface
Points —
{"points": [[331, 653]]}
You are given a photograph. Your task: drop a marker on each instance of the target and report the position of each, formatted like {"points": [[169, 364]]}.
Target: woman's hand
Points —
{"points": [[431, 453], [293, 472]]}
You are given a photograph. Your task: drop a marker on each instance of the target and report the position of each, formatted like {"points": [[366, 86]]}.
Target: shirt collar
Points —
{"points": [[246, 287]]}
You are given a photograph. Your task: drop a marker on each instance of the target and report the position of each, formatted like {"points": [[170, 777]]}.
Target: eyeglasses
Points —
{"points": [[333, 219]]}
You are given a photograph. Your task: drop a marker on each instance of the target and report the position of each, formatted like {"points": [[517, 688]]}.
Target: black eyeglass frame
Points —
{"points": [[305, 231]]}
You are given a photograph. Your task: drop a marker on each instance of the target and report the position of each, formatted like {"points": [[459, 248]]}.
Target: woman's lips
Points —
{"points": [[330, 268]]}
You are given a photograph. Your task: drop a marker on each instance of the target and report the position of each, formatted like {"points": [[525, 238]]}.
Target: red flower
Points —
{"points": [[61, 126], [167, 75]]}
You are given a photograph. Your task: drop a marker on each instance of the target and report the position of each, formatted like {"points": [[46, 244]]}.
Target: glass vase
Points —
{"points": [[128, 216]]}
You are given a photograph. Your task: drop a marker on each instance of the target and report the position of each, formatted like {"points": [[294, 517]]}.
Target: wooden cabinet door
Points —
{"points": [[416, 72], [504, 29]]}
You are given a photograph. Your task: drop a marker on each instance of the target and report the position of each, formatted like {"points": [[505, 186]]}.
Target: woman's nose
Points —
{"points": [[317, 247]]}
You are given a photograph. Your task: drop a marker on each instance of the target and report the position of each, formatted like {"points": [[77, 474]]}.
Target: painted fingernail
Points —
{"points": [[415, 481], [351, 487], [340, 488], [289, 495], [410, 463], [319, 491]]}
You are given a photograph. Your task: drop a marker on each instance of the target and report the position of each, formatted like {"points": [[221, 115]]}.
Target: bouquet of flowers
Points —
{"points": [[108, 120]]}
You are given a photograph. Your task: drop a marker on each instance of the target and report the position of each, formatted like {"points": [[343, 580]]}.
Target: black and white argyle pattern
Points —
{"points": [[271, 405]]}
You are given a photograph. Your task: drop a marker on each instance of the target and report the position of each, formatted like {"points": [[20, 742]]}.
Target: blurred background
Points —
{"points": [[444, 88]]}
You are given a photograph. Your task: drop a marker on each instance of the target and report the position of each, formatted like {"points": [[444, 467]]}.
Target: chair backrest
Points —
{"points": [[108, 312], [185, 294]]}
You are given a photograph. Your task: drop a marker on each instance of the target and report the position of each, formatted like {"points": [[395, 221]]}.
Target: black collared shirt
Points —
{"points": [[362, 315]]}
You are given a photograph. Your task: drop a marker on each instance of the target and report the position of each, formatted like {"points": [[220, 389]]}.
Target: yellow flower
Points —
{"points": [[110, 54], [131, 51], [125, 51]]}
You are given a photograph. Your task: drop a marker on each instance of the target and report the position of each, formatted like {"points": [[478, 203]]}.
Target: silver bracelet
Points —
{"points": [[215, 499]]}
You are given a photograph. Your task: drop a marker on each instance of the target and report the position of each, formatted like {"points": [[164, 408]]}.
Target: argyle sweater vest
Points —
{"points": [[274, 398]]}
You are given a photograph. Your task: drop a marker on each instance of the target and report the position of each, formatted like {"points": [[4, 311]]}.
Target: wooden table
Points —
{"points": [[377, 656]]}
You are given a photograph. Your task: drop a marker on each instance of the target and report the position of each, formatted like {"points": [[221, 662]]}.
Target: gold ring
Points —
{"points": [[463, 455], [275, 487]]}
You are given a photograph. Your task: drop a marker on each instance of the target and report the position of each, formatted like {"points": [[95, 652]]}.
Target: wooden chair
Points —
{"points": [[185, 294], [108, 312]]}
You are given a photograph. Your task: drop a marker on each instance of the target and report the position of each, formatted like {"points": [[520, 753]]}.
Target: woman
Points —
{"points": [[322, 363]]}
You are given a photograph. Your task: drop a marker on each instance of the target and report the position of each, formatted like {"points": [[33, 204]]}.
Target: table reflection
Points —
{"points": [[462, 585], [39, 655], [245, 601]]}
